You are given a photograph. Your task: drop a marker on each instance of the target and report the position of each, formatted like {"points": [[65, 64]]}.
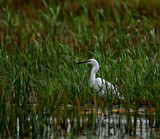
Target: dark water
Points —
{"points": [[97, 124]]}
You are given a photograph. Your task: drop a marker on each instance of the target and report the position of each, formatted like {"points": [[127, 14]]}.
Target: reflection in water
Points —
{"points": [[115, 126], [92, 124], [98, 125]]}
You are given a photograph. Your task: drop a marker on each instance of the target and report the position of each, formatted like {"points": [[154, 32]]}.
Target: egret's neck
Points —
{"points": [[93, 74]]}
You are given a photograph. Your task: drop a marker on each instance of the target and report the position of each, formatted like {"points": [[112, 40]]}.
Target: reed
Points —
{"points": [[41, 87]]}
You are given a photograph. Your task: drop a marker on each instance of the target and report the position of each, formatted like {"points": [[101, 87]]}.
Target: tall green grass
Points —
{"points": [[39, 77]]}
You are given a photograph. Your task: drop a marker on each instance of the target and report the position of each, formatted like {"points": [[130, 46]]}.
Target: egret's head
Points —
{"points": [[90, 61]]}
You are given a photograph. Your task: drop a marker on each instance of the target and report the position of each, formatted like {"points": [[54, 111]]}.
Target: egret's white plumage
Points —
{"points": [[98, 84]]}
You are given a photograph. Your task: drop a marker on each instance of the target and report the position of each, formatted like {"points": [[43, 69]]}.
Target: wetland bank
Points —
{"points": [[42, 91]]}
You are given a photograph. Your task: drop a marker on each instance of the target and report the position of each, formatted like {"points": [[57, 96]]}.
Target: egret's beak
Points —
{"points": [[83, 62]]}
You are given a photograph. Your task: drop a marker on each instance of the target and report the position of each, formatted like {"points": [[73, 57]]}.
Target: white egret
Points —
{"points": [[99, 85]]}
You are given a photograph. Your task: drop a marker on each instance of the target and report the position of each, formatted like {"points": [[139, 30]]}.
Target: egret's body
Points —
{"points": [[99, 85]]}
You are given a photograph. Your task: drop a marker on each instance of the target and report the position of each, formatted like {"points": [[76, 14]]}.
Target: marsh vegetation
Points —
{"points": [[43, 92]]}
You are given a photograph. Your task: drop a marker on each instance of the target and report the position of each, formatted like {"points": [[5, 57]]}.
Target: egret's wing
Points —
{"points": [[111, 88], [104, 87]]}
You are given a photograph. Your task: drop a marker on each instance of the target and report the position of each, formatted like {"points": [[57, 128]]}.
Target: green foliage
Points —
{"points": [[39, 77]]}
